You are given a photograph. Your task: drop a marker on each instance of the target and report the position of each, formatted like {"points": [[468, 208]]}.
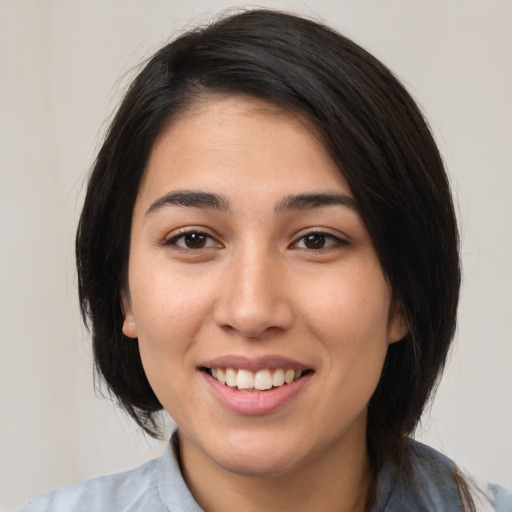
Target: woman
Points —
{"points": [[268, 251]]}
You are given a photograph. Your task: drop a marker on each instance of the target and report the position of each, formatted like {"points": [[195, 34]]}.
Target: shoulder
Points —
{"points": [[156, 486], [432, 464], [431, 481], [130, 491], [500, 497], [487, 497]]}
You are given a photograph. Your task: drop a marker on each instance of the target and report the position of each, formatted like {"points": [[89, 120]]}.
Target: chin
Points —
{"points": [[258, 455], [258, 466]]}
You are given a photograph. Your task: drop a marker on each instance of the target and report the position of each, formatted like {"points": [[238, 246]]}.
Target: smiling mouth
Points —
{"points": [[262, 380]]}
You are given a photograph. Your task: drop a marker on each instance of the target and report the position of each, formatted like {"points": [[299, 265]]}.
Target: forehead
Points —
{"points": [[220, 141]]}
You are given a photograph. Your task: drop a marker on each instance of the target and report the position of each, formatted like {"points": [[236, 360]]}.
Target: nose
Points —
{"points": [[253, 299]]}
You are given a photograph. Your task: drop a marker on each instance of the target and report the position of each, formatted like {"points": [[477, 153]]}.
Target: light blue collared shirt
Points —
{"points": [[158, 486]]}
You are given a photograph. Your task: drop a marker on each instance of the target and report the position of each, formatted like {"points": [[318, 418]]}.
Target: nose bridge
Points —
{"points": [[254, 299]]}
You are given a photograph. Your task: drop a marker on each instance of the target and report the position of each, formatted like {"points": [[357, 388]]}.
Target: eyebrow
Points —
{"points": [[190, 198], [315, 200], [211, 201]]}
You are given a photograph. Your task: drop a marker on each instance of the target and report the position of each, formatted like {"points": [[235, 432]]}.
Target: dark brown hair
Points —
{"points": [[377, 136]]}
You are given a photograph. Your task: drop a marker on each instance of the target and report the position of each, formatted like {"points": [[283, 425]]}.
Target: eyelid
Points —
{"points": [[341, 240], [171, 238]]}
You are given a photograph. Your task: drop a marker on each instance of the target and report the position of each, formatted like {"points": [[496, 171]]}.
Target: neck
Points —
{"points": [[338, 481]]}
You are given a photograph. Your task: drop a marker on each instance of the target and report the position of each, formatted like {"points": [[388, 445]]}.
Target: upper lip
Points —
{"points": [[254, 364]]}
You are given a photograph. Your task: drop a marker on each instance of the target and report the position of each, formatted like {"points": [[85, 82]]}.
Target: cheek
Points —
{"points": [[349, 316], [348, 307], [170, 309], [168, 321], [165, 301]]}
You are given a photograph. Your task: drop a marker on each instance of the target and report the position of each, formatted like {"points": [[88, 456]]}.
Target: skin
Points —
{"points": [[258, 287]]}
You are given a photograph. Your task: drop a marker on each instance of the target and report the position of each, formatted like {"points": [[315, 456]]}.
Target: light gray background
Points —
{"points": [[63, 66]]}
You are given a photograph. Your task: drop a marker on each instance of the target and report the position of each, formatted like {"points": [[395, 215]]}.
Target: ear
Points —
{"points": [[397, 325], [129, 325]]}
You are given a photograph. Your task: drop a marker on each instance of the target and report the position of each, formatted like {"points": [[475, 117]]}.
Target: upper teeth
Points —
{"points": [[260, 380]]}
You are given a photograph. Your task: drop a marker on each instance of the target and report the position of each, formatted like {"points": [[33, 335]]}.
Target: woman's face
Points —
{"points": [[250, 262]]}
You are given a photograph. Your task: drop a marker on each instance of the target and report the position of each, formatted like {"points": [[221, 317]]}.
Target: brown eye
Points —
{"points": [[193, 240], [314, 241], [318, 241]]}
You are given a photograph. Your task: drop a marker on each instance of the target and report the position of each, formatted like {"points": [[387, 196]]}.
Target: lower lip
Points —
{"points": [[252, 403]]}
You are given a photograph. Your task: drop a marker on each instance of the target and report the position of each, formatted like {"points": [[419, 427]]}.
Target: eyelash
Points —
{"points": [[181, 236], [178, 240], [323, 236]]}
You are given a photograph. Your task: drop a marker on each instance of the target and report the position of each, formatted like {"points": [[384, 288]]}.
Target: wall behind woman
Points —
{"points": [[60, 69]]}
